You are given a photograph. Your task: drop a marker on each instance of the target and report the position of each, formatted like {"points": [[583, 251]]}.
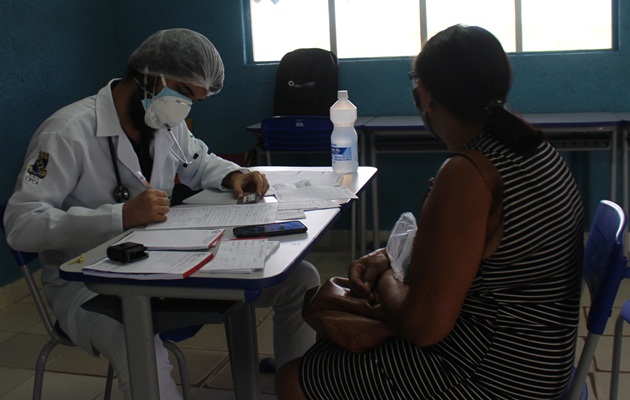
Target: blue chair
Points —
{"points": [[58, 336], [296, 134], [624, 317], [605, 265]]}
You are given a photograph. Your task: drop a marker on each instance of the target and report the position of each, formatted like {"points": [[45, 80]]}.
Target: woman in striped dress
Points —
{"points": [[489, 306]]}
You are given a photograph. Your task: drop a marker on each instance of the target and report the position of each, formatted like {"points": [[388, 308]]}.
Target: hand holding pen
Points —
{"points": [[150, 206]]}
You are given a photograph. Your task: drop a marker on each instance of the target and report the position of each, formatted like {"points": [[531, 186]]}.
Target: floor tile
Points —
{"points": [[74, 374], [59, 386], [17, 317], [223, 380], [11, 378], [603, 354], [21, 350]]}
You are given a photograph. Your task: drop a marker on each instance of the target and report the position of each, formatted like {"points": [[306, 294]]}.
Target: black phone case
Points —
{"points": [[259, 231]]}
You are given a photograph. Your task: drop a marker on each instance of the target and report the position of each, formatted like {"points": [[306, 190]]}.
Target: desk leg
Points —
{"points": [[362, 227], [138, 323], [353, 231], [613, 165], [374, 189], [240, 330]]}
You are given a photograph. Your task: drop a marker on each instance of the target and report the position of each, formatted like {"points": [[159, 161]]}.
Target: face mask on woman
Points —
{"points": [[166, 109]]}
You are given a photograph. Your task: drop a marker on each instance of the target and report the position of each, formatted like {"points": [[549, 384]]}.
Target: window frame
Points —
{"points": [[249, 52]]}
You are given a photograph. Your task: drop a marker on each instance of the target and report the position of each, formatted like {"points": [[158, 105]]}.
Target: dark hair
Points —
{"points": [[466, 70]]}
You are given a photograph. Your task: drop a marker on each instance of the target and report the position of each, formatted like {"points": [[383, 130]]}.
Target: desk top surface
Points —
{"points": [[624, 116], [548, 120], [360, 122], [292, 249], [573, 119]]}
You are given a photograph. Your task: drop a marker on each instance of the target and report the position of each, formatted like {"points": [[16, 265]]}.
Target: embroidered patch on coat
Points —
{"points": [[38, 168]]}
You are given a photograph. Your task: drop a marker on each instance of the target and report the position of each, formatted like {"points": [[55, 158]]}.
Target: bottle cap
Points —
{"points": [[342, 94]]}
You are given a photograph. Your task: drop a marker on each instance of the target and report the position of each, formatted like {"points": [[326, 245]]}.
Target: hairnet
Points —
{"points": [[180, 54]]}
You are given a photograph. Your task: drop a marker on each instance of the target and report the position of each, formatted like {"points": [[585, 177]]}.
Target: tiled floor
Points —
{"points": [[72, 374]]}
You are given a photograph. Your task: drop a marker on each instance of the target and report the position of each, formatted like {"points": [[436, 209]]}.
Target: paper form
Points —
{"points": [[159, 265], [314, 193], [180, 239], [307, 205], [239, 256], [290, 214], [217, 216], [323, 178]]}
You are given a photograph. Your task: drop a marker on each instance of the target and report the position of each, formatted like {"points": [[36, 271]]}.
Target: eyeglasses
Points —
{"points": [[413, 79], [414, 89]]}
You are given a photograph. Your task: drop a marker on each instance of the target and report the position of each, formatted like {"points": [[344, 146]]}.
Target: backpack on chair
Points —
{"points": [[306, 82]]}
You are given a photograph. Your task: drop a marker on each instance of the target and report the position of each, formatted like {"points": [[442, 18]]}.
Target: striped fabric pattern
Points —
{"points": [[515, 336]]}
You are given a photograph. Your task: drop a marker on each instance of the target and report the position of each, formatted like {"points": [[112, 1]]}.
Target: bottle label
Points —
{"points": [[342, 153]]}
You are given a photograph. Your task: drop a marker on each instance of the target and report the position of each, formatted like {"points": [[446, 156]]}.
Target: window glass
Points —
{"points": [[583, 25], [496, 16], [377, 28], [286, 25], [392, 28]]}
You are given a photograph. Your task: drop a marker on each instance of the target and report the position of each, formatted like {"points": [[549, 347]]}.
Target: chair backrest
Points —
{"points": [[604, 267], [23, 259], [300, 133], [307, 81], [604, 263]]}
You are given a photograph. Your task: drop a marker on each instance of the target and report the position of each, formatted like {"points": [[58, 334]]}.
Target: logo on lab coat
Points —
{"points": [[38, 168]]}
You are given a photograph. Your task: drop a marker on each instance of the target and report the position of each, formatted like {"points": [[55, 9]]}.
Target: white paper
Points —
{"points": [[323, 178], [314, 193], [159, 265], [239, 256], [175, 239], [217, 216], [285, 215], [307, 205]]}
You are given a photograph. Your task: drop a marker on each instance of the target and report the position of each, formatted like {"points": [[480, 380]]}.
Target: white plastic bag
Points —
{"points": [[400, 244]]}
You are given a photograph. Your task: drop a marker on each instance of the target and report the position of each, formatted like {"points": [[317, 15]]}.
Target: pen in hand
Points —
{"points": [[143, 180]]}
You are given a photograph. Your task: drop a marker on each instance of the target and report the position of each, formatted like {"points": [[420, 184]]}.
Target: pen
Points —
{"points": [[143, 180]]}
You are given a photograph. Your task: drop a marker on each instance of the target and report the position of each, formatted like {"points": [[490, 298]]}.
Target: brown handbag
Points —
{"points": [[351, 322]]}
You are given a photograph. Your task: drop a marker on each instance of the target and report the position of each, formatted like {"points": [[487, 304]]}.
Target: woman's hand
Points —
{"points": [[251, 182], [365, 271], [148, 207]]}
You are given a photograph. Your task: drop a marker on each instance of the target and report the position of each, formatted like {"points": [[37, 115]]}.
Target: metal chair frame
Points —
{"points": [[57, 336]]}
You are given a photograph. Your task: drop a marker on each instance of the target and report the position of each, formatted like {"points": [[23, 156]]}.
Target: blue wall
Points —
{"points": [[53, 53]]}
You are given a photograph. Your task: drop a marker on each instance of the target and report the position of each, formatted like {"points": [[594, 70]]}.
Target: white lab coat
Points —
{"points": [[63, 204]]}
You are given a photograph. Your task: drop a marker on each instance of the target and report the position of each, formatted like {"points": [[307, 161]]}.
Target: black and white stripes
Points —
{"points": [[515, 336]]}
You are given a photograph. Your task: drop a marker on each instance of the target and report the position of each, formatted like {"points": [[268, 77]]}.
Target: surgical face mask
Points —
{"points": [[166, 109]]}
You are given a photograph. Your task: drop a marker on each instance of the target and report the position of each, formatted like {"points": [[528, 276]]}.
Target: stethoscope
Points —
{"points": [[183, 159], [121, 193]]}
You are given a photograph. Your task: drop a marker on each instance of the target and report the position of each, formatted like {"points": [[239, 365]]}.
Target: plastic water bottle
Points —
{"points": [[344, 141]]}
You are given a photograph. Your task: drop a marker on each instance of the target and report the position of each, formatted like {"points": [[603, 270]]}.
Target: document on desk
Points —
{"points": [[323, 178], [159, 265], [176, 239], [239, 256], [218, 216], [290, 194]]}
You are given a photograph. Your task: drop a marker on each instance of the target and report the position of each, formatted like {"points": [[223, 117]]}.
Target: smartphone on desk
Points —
{"points": [[272, 229]]}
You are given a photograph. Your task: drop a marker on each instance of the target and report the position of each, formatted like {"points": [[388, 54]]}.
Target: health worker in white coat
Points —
{"points": [[108, 163]]}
